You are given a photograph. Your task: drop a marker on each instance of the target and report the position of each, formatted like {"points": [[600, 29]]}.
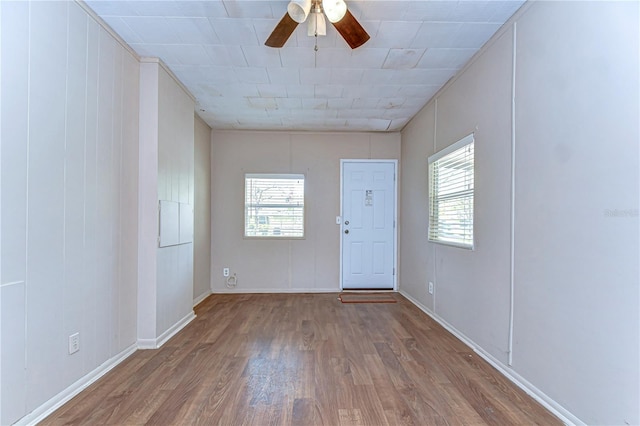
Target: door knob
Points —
{"points": [[346, 231]]}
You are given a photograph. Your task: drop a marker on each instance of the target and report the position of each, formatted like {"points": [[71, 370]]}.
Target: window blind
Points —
{"points": [[274, 205], [451, 191]]}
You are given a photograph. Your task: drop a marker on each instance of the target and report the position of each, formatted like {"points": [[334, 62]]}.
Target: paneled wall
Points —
{"points": [[311, 264], [202, 211], [69, 115], [550, 293], [166, 173]]}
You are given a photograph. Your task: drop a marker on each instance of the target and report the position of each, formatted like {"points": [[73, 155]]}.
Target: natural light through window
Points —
{"points": [[274, 205], [451, 191]]}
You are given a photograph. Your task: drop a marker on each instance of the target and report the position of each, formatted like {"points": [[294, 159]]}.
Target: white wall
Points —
{"points": [[311, 264], [202, 211], [69, 188], [575, 235], [166, 173]]}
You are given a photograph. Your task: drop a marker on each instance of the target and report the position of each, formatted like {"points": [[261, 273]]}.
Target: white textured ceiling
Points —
{"points": [[216, 48]]}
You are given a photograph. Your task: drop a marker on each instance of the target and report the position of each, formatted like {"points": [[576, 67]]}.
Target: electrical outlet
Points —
{"points": [[430, 287], [74, 343], [225, 272]]}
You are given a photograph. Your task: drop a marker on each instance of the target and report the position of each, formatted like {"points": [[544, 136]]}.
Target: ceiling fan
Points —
{"points": [[336, 12]]}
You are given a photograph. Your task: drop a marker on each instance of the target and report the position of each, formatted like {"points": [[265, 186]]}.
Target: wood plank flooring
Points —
{"points": [[305, 359]]}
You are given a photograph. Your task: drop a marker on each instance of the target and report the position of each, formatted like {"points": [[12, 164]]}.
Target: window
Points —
{"points": [[274, 205], [451, 194]]}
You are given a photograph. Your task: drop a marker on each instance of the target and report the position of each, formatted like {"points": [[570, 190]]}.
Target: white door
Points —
{"points": [[368, 224]]}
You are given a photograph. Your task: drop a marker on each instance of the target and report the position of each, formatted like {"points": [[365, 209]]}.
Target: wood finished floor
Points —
{"points": [[305, 359]]}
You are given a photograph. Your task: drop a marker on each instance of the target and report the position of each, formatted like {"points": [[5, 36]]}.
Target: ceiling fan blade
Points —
{"points": [[281, 32], [351, 31]]}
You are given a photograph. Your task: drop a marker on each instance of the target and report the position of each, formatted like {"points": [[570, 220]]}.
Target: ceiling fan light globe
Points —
{"points": [[334, 9], [299, 10], [317, 25]]}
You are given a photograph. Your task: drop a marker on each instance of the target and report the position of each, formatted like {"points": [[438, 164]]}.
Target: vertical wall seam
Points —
{"points": [[64, 169], [26, 235], [0, 210], [122, 200], [84, 175], [513, 195], [435, 251]]}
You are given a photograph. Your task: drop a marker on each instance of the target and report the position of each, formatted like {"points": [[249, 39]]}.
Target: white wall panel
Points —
{"points": [[105, 203], [13, 361], [45, 224], [14, 89], [74, 185], [575, 300], [74, 110], [89, 334], [477, 297], [128, 248], [202, 210], [175, 177], [577, 294]]}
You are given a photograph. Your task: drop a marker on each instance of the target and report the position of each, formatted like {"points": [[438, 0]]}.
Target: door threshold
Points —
{"points": [[381, 290]]}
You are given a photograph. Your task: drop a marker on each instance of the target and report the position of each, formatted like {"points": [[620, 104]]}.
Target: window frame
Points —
{"points": [[247, 207], [434, 200]]}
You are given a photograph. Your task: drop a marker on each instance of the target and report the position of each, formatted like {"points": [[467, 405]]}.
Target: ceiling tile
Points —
{"points": [[184, 54], [346, 76], [381, 76], [365, 57], [266, 103], [193, 30], [315, 76], [395, 34], [297, 57], [313, 103], [432, 11], [403, 58], [259, 56], [436, 34], [299, 91], [328, 91], [502, 10], [151, 29], [272, 90], [121, 27], [248, 9], [204, 9], [383, 10], [474, 35], [289, 103], [239, 90], [446, 58], [112, 8], [339, 103], [422, 92], [283, 75], [251, 75], [435, 77], [366, 103], [235, 32], [156, 8]]}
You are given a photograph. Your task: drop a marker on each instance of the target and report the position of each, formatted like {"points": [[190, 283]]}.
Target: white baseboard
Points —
{"points": [[559, 411], [172, 331], [65, 396], [274, 290], [203, 296]]}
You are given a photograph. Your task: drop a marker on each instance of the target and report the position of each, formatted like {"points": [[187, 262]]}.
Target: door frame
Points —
{"points": [[395, 213]]}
